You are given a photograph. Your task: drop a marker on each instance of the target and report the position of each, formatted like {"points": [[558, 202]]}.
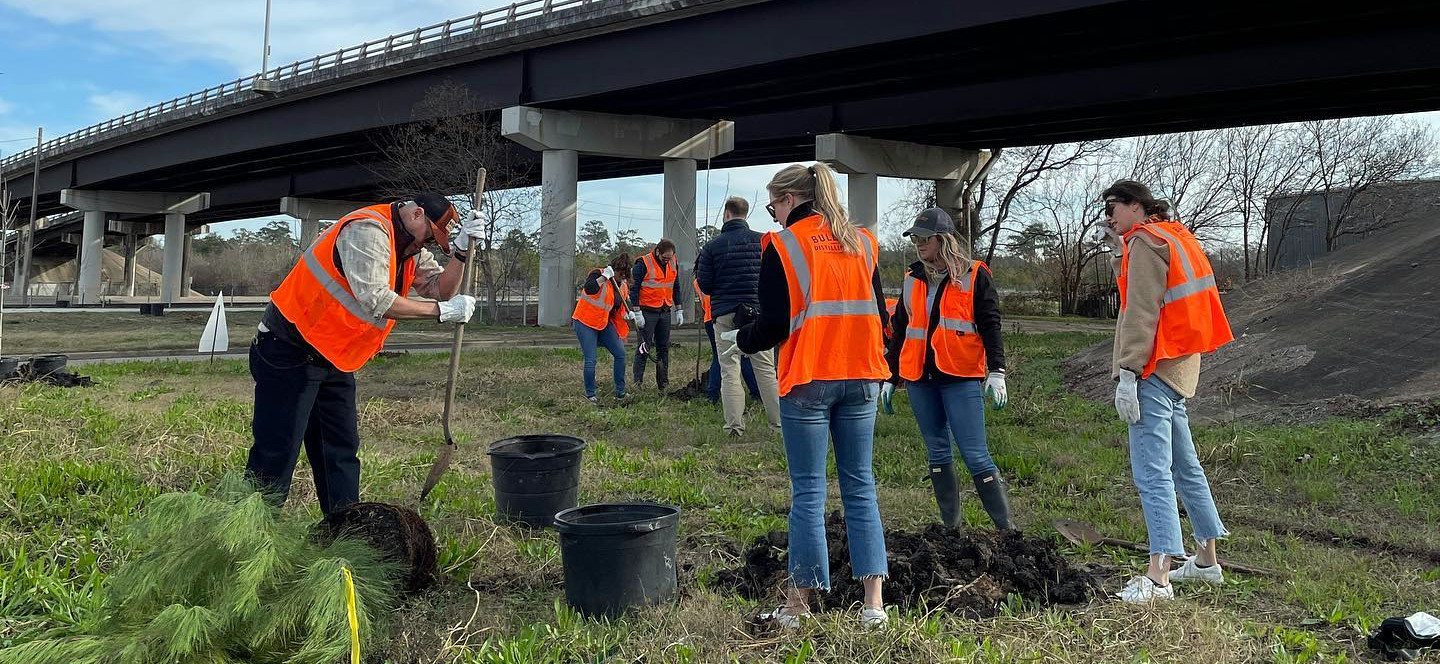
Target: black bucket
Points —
{"points": [[157, 309], [8, 367], [146, 309], [44, 365], [617, 556], [535, 476]]}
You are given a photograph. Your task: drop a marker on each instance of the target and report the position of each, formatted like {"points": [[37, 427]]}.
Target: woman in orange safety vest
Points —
{"points": [[1170, 314], [945, 343], [600, 320], [821, 302]]}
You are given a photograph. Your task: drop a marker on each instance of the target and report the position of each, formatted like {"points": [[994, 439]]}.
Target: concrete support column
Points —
{"points": [[948, 197], [92, 252], [185, 267], [130, 247], [309, 228], [170, 269], [863, 192], [679, 220], [559, 180]]}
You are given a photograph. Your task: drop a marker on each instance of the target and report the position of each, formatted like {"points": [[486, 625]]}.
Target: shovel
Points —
{"points": [[1078, 533], [448, 452]]}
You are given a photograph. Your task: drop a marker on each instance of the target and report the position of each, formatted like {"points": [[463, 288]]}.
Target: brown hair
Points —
{"points": [[622, 264], [817, 183], [737, 206], [1130, 191], [665, 244]]}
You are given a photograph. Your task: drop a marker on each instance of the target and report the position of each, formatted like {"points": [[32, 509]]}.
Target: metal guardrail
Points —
{"points": [[396, 48]]}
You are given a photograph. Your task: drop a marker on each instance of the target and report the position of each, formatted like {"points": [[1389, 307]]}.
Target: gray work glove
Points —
{"points": [[1127, 398]]}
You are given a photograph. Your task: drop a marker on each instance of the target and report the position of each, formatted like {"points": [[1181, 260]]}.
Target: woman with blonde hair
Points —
{"points": [[945, 343], [821, 303]]}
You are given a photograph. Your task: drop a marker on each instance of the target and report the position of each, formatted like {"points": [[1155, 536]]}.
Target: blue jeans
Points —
{"points": [[712, 380], [610, 338], [954, 409], [1163, 462], [811, 416]]}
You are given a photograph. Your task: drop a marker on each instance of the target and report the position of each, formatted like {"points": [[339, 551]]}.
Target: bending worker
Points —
{"points": [[945, 343], [822, 303], [1170, 314], [600, 320], [652, 293], [329, 316]]}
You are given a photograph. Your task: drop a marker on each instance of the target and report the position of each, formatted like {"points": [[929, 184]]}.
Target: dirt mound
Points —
{"points": [[397, 532], [965, 572], [1356, 330]]}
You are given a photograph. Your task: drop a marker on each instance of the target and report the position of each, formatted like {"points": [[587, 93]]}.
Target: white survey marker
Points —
{"points": [[216, 338]]}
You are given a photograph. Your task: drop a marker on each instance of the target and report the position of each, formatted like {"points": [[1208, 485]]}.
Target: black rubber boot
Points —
{"points": [[947, 493], [992, 496]]}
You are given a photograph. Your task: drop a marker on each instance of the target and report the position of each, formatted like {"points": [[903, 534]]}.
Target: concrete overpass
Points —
{"points": [[958, 75]]}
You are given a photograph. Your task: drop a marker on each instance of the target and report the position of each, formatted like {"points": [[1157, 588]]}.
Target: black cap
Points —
{"points": [[931, 222], [440, 211]]}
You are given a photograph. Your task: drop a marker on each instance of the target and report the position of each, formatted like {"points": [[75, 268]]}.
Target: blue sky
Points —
{"points": [[67, 64]]}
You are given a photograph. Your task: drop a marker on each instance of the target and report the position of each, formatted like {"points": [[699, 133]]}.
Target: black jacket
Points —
{"points": [[729, 268], [638, 275], [987, 322], [773, 325]]}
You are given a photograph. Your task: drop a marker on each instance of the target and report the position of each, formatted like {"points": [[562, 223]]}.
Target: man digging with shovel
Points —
{"points": [[329, 317]]}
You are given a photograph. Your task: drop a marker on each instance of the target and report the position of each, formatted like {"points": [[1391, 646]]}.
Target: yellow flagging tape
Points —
{"points": [[354, 620]]}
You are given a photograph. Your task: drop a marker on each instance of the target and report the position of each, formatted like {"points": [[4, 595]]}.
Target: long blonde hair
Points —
{"points": [[817, 183], [952, 255]]}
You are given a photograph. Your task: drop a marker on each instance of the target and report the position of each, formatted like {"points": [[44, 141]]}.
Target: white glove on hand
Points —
{"points": [[887, 392], [731, 339], [1127, 398], [457, 309], [471, 229], [1112, 239], [995, 389], [637, 317], [679, 318], [608, 272]]}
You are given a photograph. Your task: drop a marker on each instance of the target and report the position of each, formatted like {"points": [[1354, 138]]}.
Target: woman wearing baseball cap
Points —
{"points": [[945, 343]]}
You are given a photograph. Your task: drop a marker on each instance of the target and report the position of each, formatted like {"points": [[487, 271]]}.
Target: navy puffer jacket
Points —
{"points": [[729, 268]]}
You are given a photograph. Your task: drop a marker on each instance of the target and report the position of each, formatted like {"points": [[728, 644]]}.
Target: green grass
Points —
{"points": [[79, 463]]}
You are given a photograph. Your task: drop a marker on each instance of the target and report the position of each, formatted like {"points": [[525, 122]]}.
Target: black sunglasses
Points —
{"points": [[1110, 206]]}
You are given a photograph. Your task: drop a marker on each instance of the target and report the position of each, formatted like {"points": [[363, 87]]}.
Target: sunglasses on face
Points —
{"points": [[920, 240], [1110, 205]]}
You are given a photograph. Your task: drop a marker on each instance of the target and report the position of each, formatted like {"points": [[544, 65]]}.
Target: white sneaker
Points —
{"points": [[1142, 590], [872, 617], [1192, 572], [785, 619]]}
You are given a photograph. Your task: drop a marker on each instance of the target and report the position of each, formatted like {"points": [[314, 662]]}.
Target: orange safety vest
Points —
{"points": [[704, 301], [834, 320], [957, 345], [658, 288], [890, 303], [317, 298], [598, 310], [1191, 318]]}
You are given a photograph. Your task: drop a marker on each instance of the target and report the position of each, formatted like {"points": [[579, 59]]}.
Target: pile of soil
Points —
{"points": [[695, 389], [1353, 333], [396, 532], [970, 573], [58, 379]]}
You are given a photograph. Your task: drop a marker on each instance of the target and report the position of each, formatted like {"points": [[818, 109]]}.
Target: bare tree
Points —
{"points": [[1261, 163], [441, 150], [1063, 211], [1186, 169], [1019, 169], [1348, 156]]}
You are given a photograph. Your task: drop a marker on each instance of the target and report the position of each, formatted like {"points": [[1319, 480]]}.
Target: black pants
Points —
{"points": [[656, 337], [299, 396]]}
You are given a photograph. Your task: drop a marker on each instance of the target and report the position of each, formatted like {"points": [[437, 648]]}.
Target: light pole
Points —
{"points": [[262, 84]]}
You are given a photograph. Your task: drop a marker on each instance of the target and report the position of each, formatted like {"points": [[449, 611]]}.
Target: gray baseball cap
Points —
{"points": [[931, 222]]}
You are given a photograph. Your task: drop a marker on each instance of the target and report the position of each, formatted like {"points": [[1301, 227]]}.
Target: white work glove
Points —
{"points": [[608, 272], [457, 309], [679, 318], [1127, 398], [637, 317], [995, 389], [1112, 240], [730, 338], [470, 230], [887, 392]]}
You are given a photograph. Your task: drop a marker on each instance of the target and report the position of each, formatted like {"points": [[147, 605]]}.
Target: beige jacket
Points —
{"points": [[1138, 321]]}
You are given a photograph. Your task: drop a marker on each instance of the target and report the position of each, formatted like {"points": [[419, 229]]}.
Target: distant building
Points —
{"points": [[1298, 223]]}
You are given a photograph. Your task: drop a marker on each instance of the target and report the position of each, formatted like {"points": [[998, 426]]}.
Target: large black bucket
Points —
{"points": [[617, 556], [44, 365], [9, 366], [535, 476]]}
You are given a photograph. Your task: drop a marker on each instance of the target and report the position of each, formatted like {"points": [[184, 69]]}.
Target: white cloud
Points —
{"points": [[115, 103], [231, 32], [5, 106]]}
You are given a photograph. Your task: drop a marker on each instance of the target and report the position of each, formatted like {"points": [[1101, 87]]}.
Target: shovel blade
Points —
{"points": [[437, 469]]}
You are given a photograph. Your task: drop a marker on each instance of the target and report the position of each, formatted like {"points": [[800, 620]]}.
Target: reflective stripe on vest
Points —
{"points": [[959, 351], [1191, 285], [657, 289], [337, 290], [801, 265]]}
